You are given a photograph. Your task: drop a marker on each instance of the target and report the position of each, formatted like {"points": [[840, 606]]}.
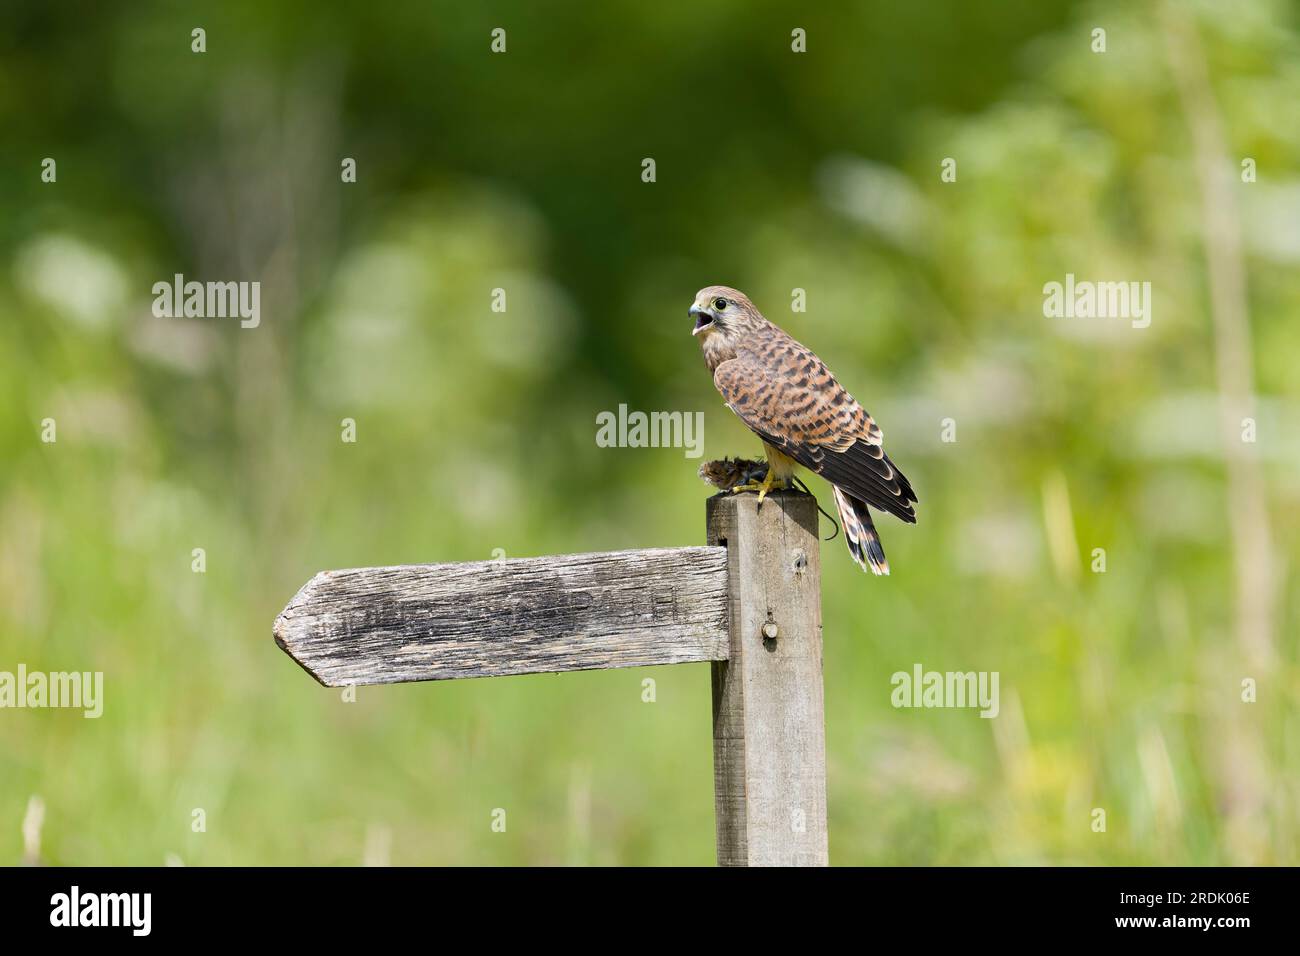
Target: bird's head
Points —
{"points": [[723, 316]]}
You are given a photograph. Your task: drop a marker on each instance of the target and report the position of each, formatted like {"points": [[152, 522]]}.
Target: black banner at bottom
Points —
{"points": [[338, 905]]}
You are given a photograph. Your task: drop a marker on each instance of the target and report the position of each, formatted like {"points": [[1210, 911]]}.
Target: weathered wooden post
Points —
{"points": [[750, 604], [769, 733]]}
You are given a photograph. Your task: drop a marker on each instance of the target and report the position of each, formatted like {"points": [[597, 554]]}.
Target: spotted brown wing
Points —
{"points": [[787, 396]]}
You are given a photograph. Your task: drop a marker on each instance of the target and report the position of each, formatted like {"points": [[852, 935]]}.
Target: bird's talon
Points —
{"points": [[764, 487]]}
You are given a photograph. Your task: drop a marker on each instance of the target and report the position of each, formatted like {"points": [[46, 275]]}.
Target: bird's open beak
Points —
{"points": [[703, 319]]}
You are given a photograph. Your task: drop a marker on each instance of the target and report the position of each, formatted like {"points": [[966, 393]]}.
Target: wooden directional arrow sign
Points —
{"points": [[520, 616], [750, 604]]}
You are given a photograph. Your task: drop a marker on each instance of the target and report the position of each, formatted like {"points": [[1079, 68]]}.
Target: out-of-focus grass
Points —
{"points": [[1120, 691]]}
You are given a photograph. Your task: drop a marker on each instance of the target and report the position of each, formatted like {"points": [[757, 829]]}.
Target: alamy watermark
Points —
{"points": [[83, 689], [922, 688], [130, 910], [209, 300], [1098, 300], [635, 429]]}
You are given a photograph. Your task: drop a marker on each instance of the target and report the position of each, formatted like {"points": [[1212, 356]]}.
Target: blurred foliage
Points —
{"points": [[775, 171]]}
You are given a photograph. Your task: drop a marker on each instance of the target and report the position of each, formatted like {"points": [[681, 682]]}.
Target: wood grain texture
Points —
{"points": [[517, 616], [769, 735]]}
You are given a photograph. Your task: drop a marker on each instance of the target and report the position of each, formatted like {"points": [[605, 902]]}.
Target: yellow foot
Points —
{"points": [[771, 484], [766, 485]]}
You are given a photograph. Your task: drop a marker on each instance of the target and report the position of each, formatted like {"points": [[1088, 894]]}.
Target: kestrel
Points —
{"points": [[788, 397]]}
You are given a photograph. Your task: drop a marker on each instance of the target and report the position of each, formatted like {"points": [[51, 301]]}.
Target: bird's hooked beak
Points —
{"points": [[703, 318]]}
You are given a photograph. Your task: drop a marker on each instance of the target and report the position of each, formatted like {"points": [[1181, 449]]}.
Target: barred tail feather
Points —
{"points": [[860, 533]]}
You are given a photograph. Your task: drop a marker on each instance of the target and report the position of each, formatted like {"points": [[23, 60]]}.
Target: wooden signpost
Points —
{"points": [[749, 604]]}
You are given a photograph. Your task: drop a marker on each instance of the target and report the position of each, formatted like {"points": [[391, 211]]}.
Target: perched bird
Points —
{"points": [[787, 396]]}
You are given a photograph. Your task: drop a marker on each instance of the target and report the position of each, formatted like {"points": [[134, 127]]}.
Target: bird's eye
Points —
{"points": [[720, 304]]}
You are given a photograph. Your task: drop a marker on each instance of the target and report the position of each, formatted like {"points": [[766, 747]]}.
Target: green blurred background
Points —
{"points": [[776, 170]]}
